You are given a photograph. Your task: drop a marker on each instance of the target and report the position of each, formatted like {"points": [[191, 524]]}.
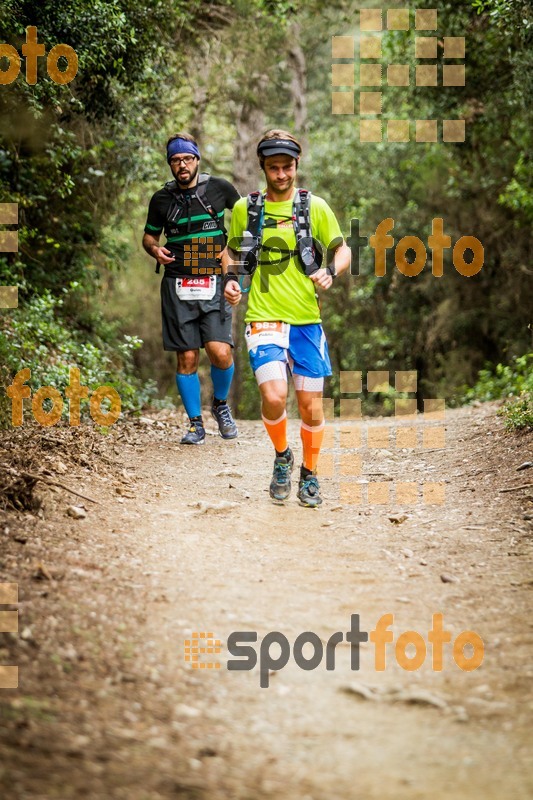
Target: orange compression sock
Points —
{"points": [[277, 430], [312, 438]]}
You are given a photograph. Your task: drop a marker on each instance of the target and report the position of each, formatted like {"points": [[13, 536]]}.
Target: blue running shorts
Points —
{"points": [[307, 353]]}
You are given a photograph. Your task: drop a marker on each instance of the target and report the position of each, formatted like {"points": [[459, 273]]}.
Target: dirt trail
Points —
{"points": [[107, 707]]}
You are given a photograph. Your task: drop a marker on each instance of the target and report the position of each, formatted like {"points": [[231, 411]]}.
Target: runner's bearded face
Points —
{"points": [[280, 173], [184, 172]]}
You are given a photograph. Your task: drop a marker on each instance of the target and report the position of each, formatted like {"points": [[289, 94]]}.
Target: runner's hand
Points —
{"points": [[232, 292], [162, 255], [322, 278]]}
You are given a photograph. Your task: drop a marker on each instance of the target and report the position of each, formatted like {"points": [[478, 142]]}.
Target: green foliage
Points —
{"points": [[518, 194], [66, 155], [75, 158], [518, 414], [513, 381], [446, 328], [503, 380], [39, 337], [82, 159]]}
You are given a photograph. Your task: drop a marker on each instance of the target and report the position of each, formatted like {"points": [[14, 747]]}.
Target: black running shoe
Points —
{"points": [[195, 434], [225, 421], [309, 491], [280, 485]]}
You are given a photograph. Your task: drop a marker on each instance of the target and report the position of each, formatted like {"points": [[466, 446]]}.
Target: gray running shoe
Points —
{"points": [[225, 421], [280, 485], [309, 491], [195, 434]]}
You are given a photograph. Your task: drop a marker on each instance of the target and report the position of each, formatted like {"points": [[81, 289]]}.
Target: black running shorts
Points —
{"points": [[188, 325]]}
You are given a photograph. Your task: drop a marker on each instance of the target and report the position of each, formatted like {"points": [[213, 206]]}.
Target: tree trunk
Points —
{"points": [[198, 75], [250, 127], [246, 177], [298, 92]]}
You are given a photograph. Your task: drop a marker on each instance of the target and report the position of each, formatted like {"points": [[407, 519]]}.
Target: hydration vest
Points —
{"points": [[309, 256], [180, 208]]}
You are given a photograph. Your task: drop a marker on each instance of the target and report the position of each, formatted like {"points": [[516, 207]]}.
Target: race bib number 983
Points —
{"points": [[258, 333]]}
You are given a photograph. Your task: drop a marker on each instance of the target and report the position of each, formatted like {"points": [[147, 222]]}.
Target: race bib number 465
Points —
{"points": [[202, 288]]}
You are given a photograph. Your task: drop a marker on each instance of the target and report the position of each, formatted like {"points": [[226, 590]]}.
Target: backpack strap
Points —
{"points": [[201, 196], [177, 207], [251, 240], [182, 202], [309, 256], [255, 205]]}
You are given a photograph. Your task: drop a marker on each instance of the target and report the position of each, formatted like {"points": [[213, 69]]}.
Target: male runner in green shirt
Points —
{"points": [[283, 318]]}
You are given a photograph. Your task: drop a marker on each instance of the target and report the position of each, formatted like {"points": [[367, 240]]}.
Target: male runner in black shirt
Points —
{"points": [[190, 211]]}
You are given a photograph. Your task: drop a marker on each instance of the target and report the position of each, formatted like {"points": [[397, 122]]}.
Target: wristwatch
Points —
{"points": [[330, 269]]}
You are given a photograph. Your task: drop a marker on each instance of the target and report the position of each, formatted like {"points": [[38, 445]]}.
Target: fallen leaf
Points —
{"points": [[397, 519], [41, 573]]}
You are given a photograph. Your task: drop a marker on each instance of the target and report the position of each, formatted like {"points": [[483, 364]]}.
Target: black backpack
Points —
{"points": [[182, 204]]}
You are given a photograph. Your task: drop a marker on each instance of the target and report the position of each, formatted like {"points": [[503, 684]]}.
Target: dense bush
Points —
{"points": [[508, 381], [40, 336], [503, 380], [80, 160], [518, 414]]}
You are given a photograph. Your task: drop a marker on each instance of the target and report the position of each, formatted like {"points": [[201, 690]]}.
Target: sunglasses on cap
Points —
{"points": [[276, 147]]}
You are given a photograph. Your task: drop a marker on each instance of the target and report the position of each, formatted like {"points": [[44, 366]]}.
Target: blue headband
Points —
{"points": [[181, 146]]}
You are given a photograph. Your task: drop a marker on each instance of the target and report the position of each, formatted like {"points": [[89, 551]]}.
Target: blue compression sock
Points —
{"points": [[221, 381], [189, 389]]}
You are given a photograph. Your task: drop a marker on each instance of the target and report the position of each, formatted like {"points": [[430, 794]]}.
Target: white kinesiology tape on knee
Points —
{"points": [[273, 371], [303, 383]]}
